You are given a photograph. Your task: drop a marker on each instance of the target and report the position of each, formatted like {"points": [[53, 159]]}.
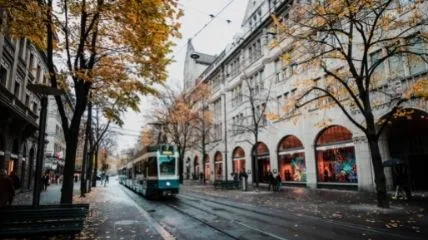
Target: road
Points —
{"points": [[190, 216]]}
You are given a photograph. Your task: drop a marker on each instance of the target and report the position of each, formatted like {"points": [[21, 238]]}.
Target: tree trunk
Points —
{"points": [[91, 152], [94, 175], [70, 155], [381, 194]]}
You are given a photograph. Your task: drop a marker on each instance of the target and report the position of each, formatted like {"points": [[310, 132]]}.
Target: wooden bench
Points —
{"points": [[226, 184], [48, 220]]}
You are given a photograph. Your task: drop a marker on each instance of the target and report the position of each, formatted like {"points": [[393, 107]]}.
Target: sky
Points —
{"points": [[211, 39]]}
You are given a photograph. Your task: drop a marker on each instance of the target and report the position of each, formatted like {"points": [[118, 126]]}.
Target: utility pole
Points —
{"points": [[97, 129]]}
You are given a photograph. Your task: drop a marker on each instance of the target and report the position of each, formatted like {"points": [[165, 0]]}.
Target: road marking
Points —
{"points": [[159, 229], [258, 230]]}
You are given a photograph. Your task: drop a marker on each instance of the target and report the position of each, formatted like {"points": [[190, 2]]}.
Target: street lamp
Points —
{"points": [[42, 91]]}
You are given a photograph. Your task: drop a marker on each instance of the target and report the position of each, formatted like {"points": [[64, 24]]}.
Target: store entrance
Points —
{"points": [[408, 141], [263, 168]]}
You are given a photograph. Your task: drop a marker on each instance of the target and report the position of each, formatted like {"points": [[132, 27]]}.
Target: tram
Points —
{"points": [[153, 173]]}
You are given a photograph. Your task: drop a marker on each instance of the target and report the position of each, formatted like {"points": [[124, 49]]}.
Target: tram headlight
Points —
{"points": [[168, 183]]}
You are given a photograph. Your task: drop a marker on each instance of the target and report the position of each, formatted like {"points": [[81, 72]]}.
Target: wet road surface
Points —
{"points": [[190, 216]]}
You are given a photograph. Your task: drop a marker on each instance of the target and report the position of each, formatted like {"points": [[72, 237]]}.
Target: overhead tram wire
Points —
{"points": [[205, 26]]}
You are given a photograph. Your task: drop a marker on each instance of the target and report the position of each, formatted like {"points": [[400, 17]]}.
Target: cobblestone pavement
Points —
{"points": [[341, 205]]}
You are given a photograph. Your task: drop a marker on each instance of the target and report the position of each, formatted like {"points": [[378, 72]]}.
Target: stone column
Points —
{"points": [[364, 164], [311, 166]]}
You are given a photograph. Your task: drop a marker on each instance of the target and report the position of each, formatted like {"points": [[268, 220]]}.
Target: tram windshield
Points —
{"points": [[166, 165]]}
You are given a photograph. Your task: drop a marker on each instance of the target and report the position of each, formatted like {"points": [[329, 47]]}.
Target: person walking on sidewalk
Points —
{"points": [[277, 183], [7, 190], [271, 180], [106, 180]]}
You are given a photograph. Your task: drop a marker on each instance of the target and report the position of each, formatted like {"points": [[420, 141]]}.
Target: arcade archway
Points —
{"points": [[262, 159], [218, 166], [408, 141], [238, 160]]}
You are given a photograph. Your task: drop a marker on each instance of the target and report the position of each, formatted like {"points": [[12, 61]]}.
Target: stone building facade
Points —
{"points": [[21, 64], [304, 153]]}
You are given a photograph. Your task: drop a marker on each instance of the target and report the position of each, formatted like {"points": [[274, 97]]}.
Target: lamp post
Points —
{"points": [[42, 91]]}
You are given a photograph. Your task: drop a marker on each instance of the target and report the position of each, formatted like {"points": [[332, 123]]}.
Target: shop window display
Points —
{"points": [[291, 160], [335, 156]]}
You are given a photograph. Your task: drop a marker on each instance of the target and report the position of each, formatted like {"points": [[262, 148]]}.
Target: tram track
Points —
{"points": [[304, 218], [167, 227]]}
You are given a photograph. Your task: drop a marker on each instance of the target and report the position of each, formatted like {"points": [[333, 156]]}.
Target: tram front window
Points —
{"points": [[167, 166]]}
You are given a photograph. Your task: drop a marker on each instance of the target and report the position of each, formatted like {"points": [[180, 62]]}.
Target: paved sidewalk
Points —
{"points": [[112, 214], [341, 205]]}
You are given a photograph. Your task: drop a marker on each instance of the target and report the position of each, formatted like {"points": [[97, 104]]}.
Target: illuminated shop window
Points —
{"points": [[335, 156], [291, 160], [238, 160]]}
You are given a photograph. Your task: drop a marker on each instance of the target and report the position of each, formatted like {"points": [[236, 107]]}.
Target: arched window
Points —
{"points": [[238, 157], [335, 156], [291, 159], [218, 165]]}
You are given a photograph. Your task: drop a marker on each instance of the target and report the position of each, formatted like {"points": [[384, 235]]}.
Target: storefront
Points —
{"points": [[238, 160], [196, 166], [291, 160], [335, 157], [207, 168], [218, 166], [408, 142], [262, 159]]}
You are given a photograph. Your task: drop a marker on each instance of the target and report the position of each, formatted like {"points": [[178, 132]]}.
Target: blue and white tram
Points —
{"points": [[154, 173]]}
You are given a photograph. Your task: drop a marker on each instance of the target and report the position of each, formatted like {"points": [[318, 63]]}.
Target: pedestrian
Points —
{"points": [[15, 179], [271, 180], [401, 182], [277, 182], [106, 180], [7, 190], [45, 181]]}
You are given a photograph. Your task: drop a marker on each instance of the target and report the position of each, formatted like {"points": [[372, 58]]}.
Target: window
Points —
{"points": [[380, 69], [416, 63], [17, 89], [35, 107], [3, 76], [39, 72], [335, 156], [31, 62], [27, 99], [22, 48], [152, 167], [291, 159], [396, 66]]}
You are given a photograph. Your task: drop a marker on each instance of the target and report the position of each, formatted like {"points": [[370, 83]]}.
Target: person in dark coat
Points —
{"points": [[277, 183], [271, 180], [15, 179], [7, 190]]}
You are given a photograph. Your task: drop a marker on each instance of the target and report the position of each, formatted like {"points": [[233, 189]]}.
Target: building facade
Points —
{"points": [[21, 64], [304, 153]]}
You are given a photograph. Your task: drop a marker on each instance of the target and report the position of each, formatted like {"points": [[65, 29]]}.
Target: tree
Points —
{"points": [[349, 43], [202, 122], [257, 97], [178, 114], [121, 45]]}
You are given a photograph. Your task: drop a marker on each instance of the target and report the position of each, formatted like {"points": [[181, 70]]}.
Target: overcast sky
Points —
{"points": [[212, 40]]}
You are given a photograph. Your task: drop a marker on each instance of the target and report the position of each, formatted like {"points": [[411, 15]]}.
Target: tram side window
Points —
{"points": [[152, 167]]}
